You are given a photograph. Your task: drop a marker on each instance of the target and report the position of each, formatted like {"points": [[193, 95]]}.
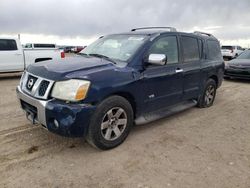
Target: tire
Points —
{"points": [[208, 95], [111, 123]]}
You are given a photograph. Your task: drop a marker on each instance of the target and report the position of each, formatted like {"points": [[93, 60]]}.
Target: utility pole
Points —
{"points": [[19, 36]]}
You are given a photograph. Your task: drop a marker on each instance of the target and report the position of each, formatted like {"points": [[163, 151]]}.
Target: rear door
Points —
{"points": [[191, 66], [163, 83], [11, 58]]}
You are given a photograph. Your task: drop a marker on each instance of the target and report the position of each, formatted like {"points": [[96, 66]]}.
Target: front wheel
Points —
{"points": [[208, 95], [111, 123]]}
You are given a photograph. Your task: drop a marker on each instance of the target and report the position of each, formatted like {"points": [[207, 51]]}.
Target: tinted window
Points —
{"points": [[168, 46], [7, 44], [28, 46], [214, 52], [44, 45], [227, 47], [190, 49]]}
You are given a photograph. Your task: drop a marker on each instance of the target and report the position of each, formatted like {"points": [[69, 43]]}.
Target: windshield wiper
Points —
{"points": [[103, 56], [82, 54]]}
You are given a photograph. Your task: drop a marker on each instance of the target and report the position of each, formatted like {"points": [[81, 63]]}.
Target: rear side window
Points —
{"points": [[28, 45], [190, 49], [7, 45], [214, 52], [226, 47]]}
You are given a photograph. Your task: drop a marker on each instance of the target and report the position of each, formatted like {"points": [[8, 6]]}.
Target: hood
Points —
{"points": [[65, 68], [240, 62]]}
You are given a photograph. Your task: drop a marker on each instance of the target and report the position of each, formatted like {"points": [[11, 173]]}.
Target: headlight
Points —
{"points": [[70, 90], [22, 77]]}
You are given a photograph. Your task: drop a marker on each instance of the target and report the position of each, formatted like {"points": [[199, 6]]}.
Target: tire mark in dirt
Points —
{"points": [[16, 129], [26, 143]]}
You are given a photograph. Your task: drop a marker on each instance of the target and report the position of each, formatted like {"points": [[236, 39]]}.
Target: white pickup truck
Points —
{"points": [[13, 58]]}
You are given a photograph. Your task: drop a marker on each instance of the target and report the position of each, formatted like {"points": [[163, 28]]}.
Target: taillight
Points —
{"points": [[62, 55]]}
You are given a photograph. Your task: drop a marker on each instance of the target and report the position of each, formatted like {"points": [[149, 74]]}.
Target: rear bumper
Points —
{"points": [[228, 54], [72, 119]]}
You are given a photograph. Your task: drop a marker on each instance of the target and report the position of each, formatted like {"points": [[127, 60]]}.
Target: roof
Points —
{"points": [[162, 30]]}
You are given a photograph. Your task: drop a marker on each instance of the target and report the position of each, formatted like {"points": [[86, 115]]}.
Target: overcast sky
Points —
{"points": [[81, 21]]}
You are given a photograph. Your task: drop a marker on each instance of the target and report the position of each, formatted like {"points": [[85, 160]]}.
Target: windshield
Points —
{"points": [[227, 47], [244, 55], [117, 47]]}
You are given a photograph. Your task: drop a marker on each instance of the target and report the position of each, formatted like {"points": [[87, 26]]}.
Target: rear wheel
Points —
{"points": [[208, 95], [111, 123]]}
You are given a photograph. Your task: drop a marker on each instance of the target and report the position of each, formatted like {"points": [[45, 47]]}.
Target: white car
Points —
{"points": [[13, 58], [231, 51]]}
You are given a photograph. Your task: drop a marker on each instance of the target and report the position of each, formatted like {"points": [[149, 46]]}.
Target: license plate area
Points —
{"points": [[31, 112]]}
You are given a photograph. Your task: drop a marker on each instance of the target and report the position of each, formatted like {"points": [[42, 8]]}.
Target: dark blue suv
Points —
{"points": [[121, 80]]}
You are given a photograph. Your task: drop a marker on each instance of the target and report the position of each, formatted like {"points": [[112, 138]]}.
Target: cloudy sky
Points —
{"points": [[78, 22]]}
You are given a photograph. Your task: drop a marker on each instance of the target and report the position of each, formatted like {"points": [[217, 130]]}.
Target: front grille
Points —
{"points": [[43, 87], [31, 82], [36, 86]]}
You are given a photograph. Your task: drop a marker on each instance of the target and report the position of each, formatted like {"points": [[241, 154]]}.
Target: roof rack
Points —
{"points": [[203, 33], [171, 29]]}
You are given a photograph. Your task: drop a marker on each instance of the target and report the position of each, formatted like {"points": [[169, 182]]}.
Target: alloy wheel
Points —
{"points": [[114, 123], [209, 95]]}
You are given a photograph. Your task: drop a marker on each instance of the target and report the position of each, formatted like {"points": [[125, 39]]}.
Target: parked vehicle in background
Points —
{"points": [[231, 52], [77, 49], [239, 67], [68, 49], [39, 46], [13, 58], [122, 79]]}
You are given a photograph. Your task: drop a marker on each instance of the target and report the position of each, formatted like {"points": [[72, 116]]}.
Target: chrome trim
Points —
{"points": [[157, 59], [39, 104], [178, 70], [35, 90]]}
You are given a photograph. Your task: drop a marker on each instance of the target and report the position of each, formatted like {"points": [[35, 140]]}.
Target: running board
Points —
{"points": [[164, 112]]}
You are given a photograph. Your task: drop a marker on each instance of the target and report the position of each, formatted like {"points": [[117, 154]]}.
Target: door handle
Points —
{"points": [[178, 70], [18, 54]]}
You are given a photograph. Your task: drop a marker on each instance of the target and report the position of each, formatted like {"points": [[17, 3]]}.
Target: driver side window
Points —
{"points": [[168, 46]]}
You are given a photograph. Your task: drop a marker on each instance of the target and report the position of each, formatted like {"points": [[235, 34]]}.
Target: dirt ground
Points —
{"points": [[195, 148]]}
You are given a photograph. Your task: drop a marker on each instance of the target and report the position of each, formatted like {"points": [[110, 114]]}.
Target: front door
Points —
{"points": [[11, 58], [163, 84]]}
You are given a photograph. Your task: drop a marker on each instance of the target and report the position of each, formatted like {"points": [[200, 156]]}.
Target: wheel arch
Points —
{"points": [[128, 96], [215, 78]]}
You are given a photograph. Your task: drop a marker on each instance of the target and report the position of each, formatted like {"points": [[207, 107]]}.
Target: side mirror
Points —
{"points": [[157, 59]]}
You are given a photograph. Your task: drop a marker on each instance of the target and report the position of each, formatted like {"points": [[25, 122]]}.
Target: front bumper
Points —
{"points": [[237, 73], [70, 120]]}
